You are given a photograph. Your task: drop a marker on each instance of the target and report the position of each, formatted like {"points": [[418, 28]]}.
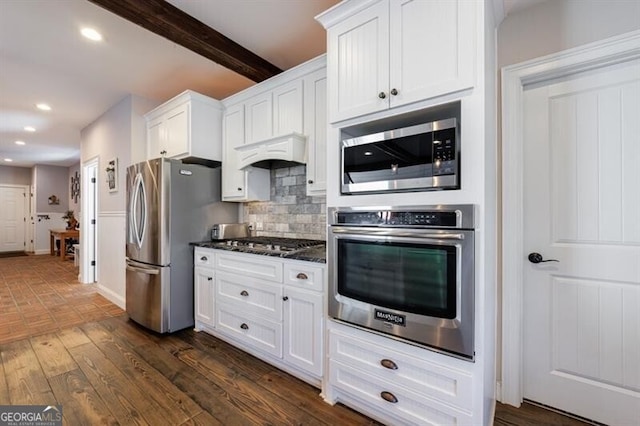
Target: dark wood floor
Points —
{"points": [[114, 372], [58, 345]]}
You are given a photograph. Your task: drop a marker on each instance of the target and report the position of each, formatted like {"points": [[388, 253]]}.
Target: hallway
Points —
{"points": [[41, 294]]}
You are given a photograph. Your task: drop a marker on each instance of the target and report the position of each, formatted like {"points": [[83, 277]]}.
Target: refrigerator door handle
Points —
{"points": [[147, 271], [139, 194]]}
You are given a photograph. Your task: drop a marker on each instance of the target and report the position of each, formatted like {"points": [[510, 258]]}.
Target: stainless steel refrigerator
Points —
{"points": [[169, 205]]}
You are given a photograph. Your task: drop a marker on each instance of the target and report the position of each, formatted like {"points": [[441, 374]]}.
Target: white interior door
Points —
{"points": [[12, 218], [88, 228], [582, 208]]}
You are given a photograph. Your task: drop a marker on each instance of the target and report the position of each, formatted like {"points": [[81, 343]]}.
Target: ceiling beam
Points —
{"points": [[166, 20]]}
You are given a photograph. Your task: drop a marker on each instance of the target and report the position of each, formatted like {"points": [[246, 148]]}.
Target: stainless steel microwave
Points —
{"points": [[423, 157]]}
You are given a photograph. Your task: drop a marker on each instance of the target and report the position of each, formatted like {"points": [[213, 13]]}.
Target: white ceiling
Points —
{"points": [[43, 58]]}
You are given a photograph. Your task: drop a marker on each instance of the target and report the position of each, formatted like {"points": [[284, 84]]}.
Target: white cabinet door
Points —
{"points": [[259, 125], [358, 63], [233, 180], [303, 330], [177, 136], [398, 52], [287, 108], [251, 184], [204, 296], [155, 144], [432, 46], [315, 122]]}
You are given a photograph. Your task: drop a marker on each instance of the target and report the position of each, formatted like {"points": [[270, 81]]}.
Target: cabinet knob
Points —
{"points": [[244, 326], [394, 92], [310, 181], [209, 278], [285, 298], [204, 258], [163, 152], [244, 293], [382, 95], [302, 276], [239, 189], [387, 363], [389, 397]]}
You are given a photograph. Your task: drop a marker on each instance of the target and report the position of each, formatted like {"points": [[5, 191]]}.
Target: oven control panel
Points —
{"points": [[446, 219]]}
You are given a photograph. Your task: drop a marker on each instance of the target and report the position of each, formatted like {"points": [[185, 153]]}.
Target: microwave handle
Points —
{"points": [[397, 233]]}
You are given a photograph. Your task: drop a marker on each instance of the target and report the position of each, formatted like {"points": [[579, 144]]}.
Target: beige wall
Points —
{"points": [[11, 175], [557, 25], [49, 181]]}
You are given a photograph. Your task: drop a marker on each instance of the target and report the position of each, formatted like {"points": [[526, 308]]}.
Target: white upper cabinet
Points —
{"points": [[188, 125], [259, 114], [387, 53], [315, 121], [249, 184], [283, 118], [287, 108]]}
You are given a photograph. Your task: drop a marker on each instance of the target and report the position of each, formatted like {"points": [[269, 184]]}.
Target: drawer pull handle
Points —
{"points": [[389, 397], [209, 278], [244, 326], [387, 363], [302, 276], [244, 293], [204, 258]]}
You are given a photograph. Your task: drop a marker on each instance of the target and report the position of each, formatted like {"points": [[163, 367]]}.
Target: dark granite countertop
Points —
{"points": [[315, 254]]}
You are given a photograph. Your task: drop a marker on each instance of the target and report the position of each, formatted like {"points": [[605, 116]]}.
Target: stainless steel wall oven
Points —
{"points": [[405, 271]]}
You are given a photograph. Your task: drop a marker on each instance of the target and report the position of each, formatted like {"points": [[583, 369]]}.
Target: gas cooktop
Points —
{"points": [[267, 245]]}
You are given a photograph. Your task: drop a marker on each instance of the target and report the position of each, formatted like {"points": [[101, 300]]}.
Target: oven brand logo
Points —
{"points": [[391, 318], [30, 415]]}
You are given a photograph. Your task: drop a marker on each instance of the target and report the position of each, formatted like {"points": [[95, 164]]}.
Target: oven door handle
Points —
{"points": [[398, 233]]}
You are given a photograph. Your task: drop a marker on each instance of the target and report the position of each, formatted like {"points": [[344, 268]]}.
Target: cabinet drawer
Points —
{"points": [[251, 265], [408, 406], [444, 383], [304, 275], [250, 295], [262, 334], [203, 257]]}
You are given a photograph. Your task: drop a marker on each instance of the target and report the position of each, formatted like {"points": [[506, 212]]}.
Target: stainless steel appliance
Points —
{"points": [[169, 204], [223, 231], [275, 246], [407, 272], [416, 158]]}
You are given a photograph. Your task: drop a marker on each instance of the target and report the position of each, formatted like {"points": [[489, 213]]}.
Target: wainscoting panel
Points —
{"points": [[111, 256]]}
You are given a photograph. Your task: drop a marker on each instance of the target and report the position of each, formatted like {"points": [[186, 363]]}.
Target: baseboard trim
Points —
{"points": [[112, 296], [42, 251]]}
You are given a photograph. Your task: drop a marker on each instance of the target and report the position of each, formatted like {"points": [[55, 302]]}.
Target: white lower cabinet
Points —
{"points": [[267, 306], [395, 382], [303, 329], [203, 296], [258, 332]]}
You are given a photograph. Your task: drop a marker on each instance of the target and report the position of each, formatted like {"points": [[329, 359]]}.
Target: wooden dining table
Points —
{"points": [[62, 235]]}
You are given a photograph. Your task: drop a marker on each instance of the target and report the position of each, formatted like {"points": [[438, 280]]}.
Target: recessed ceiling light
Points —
{"points": [[29, 129], [21, 143], [367, 153], [91, 34], [8, 160], [43, 107]]}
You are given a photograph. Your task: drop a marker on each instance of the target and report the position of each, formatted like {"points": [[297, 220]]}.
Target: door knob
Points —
{"points": [[537, 258]]}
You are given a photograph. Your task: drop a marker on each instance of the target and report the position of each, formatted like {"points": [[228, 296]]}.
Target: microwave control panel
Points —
{"points": [[444, 152]]}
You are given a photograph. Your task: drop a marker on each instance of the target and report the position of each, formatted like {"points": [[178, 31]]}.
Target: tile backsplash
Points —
{"points": [[290, 213]]}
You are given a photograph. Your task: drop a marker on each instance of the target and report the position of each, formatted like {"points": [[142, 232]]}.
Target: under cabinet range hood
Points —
{"points": [[291, 147]]}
